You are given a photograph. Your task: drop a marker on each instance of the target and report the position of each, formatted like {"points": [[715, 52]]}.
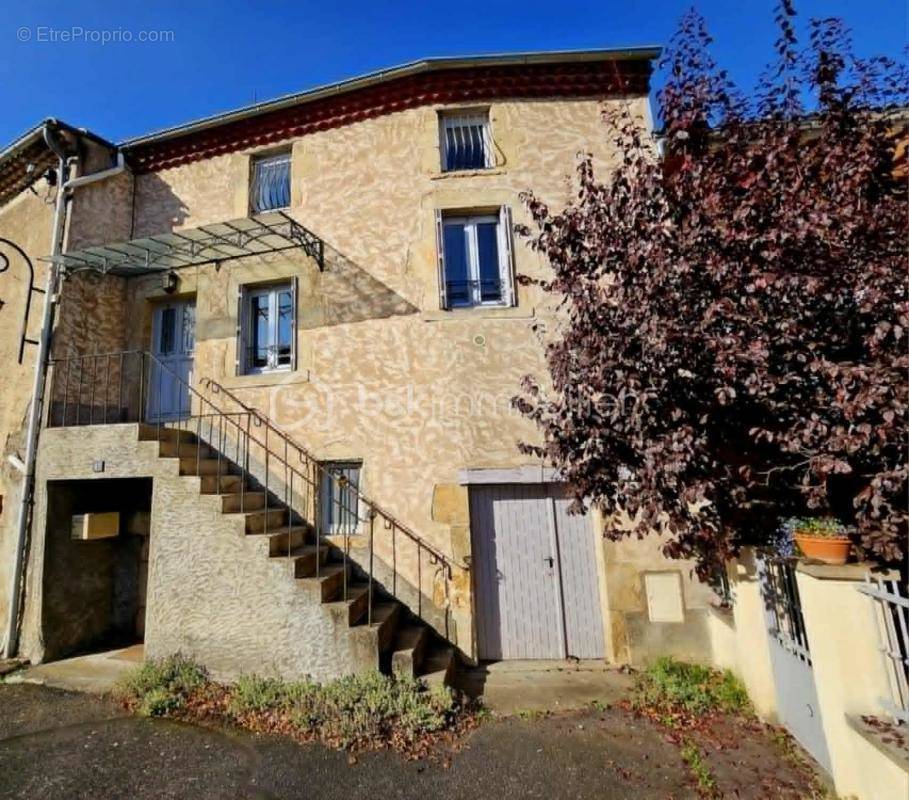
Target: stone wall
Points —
{"points": [[27, 221], [654, 606]]}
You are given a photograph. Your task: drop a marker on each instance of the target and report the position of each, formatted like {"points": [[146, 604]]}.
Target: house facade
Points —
{"points": [[284, 349]]}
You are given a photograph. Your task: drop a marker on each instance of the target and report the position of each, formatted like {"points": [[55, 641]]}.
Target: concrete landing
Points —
{"points": [[513, 687], [96, 673]]}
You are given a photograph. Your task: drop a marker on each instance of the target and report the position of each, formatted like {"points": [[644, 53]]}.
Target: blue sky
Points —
{"points": [[228, 53]]}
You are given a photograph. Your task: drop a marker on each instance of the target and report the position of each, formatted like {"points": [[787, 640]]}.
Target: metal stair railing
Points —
{"points": [[130, 387], [353, 504]]}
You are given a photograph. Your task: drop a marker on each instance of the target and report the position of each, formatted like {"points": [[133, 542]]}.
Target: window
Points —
{"points": [[267, 327], [466, 143], [340, 496], [270, 185], [475, 259]]}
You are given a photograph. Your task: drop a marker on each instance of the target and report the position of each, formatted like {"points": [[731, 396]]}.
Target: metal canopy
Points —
{"points": [[259, 234]]}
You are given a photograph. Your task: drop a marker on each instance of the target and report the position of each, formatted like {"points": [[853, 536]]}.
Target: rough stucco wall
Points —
{"points": [[213, 593], [636, 639], [26, 220], [101, 213], [212, 191]]}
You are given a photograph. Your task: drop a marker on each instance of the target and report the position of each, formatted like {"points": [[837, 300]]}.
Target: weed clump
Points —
{"points": [[161, 687], [670, 688]]}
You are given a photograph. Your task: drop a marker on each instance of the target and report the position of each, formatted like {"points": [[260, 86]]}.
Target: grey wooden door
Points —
{"points": [[537, 592], [580, 581]]}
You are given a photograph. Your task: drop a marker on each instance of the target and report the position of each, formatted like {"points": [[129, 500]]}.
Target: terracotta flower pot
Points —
{"points": [[828, 549]]}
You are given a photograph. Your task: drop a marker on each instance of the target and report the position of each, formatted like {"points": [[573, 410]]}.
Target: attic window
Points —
{"points": [[270, 185], [465, 141]]}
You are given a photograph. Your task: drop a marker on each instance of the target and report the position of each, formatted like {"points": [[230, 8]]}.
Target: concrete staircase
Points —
{"points": [[395, 639]]}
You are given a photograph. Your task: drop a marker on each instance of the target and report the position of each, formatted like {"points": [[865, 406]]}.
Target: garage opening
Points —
{"points": [[95, 565], [535, 575]]}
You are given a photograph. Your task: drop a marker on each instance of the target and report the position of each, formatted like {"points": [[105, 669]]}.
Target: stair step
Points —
{"points": [[266, 521], [330, 581], [175, 449], [304, 558], [353, 609], [385, 615], [225, 484], [237, 502], [204, 466], [439, 665], [409, 649], [285, 539], [150, 433]]}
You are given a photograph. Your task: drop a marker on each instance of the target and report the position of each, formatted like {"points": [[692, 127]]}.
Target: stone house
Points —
{"points": [[275, 431]]}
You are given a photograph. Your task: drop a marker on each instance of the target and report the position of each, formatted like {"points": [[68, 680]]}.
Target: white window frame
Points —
{"points": [[458, 121], [335, 528], [502, 220], [272, 291], [267, 160]]}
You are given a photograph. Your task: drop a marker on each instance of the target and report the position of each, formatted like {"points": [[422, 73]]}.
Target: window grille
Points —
{"points": [[466, 143], [270, 187], [341, 497]]}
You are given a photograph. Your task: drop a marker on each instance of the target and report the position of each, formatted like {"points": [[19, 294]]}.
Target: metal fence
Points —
{"points": [[891, 616], [783, 604]]}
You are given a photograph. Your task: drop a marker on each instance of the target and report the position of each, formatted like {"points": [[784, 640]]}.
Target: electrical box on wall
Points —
{"points": [[96, 525], [664, 596]]}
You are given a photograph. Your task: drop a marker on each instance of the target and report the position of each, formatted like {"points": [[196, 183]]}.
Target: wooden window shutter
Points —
{"points": [[241, 345], [294, 294], [440, 248], [507, 225]]}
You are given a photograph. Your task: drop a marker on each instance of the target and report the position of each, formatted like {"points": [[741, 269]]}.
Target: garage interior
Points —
{"points": [[95, 565]]}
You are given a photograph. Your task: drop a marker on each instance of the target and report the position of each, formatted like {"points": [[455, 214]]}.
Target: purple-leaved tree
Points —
{"points": [[734, 346]]}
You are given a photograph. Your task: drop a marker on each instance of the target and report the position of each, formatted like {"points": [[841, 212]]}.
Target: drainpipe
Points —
{"points": [[52, 289]]}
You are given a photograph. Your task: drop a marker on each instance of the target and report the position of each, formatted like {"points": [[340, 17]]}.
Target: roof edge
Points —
{"points": [[642, 53]]}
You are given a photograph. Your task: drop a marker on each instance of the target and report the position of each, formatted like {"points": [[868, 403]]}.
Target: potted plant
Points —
{"points": [[822, 539]]}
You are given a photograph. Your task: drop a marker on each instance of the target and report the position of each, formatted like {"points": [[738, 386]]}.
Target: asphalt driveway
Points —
{"points": [[56, 744]]}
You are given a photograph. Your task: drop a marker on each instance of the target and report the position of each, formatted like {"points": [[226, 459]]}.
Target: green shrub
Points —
{"points": [[669, 685], [253, 693], [158, 703], [371, 705], [161, 686]]}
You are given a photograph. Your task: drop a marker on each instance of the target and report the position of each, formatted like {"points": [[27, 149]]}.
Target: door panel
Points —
{"points": [[518, 613], [173, 344], [790, 658], [580, 581]]}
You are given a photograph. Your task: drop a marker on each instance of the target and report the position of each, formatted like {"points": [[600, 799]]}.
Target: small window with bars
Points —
{"points": [[465, 141], [270, 185], [341, 496]]}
